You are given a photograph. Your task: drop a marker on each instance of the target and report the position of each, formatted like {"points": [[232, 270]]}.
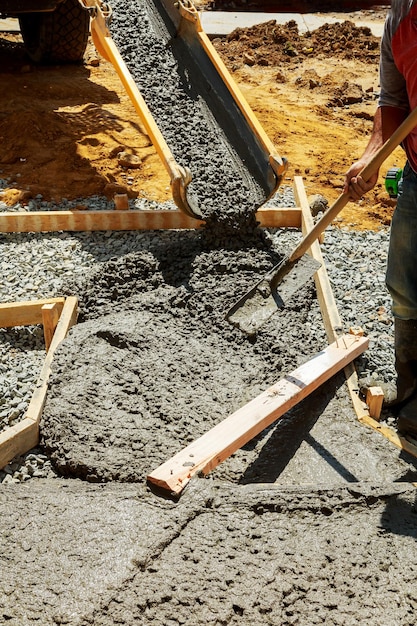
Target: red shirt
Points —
{"points": [[404, 51]]}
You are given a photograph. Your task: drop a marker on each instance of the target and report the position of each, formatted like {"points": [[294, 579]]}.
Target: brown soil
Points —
{"points": [[63, 129]]}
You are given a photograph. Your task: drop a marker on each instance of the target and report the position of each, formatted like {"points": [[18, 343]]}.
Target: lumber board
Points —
{"points": [[331, 318], [333, 323], [67, 319], [225, 438], [18, 439], [27, 312], [74, 221], [52, 221], [279, 218]]}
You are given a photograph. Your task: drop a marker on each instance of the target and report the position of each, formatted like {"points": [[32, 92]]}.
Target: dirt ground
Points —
{"points": [[71, 132]]}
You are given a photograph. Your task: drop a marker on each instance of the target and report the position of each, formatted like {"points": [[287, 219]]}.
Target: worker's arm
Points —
{"points": [[386, 121]]}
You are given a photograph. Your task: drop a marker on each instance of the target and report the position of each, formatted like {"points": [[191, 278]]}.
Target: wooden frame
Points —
{"points": [[61, 314], [57, 315]]}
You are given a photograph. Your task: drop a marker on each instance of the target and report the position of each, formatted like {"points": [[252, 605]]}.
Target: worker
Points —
{"points": [[398, 95]]}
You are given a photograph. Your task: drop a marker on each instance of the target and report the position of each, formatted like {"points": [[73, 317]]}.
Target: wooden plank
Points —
{"points": [[331, 318], [333, 323], [74, 221], [18, 439], [51, 221], [26, 313], [220, 442], [121, 202], [50, 319]]}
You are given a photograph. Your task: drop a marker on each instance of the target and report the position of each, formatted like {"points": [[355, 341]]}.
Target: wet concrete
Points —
{"points": [[222, 555], [308, 523], [154, 364], [197, 116]]}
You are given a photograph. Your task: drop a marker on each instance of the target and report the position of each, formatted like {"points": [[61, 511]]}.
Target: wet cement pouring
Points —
{"points": [[304, 525], [166, 364], [194, 121]]}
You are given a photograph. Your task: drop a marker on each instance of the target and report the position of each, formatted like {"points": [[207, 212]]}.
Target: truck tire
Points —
{"points": [[59, 36]]}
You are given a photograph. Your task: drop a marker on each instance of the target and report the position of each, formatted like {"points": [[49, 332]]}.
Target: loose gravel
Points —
{"points": [[43, 265]]}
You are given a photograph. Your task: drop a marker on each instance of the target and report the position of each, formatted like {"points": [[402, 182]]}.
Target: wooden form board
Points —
{"points": [[223, 440], [333, 325], [73, 221], [18, 439], [27, 312]]}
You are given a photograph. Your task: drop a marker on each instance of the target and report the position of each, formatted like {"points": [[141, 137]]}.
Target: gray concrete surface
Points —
{"points": [[85, 555]]}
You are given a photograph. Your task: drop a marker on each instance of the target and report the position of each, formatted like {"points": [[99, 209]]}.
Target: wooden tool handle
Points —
{"points": [[374, 164]]}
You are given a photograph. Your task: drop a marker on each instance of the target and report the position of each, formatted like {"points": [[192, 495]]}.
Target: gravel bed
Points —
{"points": [[42, 265]]}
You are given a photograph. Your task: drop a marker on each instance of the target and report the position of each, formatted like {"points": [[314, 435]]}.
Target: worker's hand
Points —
{"points": [[354, 184]]}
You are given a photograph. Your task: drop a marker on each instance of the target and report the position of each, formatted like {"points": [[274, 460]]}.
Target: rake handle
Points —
{"points": [[374, 164]]}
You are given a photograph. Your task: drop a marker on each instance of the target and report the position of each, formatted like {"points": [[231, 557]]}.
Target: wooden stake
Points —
{"points": [[121, 202], [50, 318], [220, 442], [374, 400]]}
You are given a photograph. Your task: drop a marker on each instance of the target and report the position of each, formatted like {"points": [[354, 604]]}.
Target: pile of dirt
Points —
{"points": [[273, 44]]}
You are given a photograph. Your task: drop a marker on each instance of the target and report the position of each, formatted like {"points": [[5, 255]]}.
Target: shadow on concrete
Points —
{"points": [[400, 516], [287, 436]]}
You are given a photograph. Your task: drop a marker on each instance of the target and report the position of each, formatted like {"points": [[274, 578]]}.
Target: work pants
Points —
{"points": [[401, 275]]}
